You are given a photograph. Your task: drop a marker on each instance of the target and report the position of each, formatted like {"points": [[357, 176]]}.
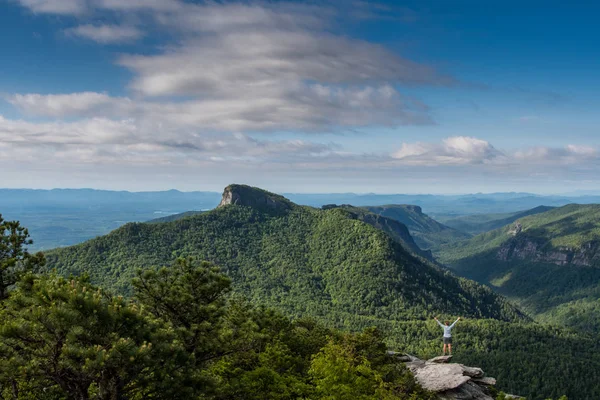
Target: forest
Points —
{"points": [[183, 330]]}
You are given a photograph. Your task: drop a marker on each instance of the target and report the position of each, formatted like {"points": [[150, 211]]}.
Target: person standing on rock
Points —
{"points": [[447, 334]]}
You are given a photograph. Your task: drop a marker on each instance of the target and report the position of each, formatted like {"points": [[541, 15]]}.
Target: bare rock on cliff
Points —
{"points": [[450, 381], [249, 196]]}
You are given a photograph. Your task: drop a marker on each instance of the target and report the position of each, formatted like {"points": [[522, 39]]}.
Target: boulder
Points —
{"points": [[468, 391], [473, 372], [440, 377], [440, 359], [450, 381], [487, 381]]}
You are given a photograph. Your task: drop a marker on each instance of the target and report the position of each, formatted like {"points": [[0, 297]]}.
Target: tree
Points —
{"points": [[14, 257], [191, 296], [66, 337]]}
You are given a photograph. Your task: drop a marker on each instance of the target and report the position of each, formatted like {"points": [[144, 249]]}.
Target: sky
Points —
{"points": [[428, 96]]}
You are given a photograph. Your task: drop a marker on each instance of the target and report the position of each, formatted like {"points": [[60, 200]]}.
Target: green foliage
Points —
{"points": [[427, 232], [476, 224], [560, 294], [65, 337], [302, 260], [15, 260]]}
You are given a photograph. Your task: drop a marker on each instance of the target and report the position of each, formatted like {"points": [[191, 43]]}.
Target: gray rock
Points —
{"points": [[440, 359], [468, 391], [487, 381], [473, 372], [450, 381], [440, 377]]}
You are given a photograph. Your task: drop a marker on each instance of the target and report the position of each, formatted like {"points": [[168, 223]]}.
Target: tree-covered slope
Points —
{"points": [[306, 261], [480, 223], [549, 263], [173, 217], [427, 232]]}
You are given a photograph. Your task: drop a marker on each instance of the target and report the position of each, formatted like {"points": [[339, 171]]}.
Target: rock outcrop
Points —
{"points": [[523, 247], [450, 381], [245, 195]]}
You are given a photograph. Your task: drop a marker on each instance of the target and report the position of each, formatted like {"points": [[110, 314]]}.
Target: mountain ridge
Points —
{"points": [[301, 259]]}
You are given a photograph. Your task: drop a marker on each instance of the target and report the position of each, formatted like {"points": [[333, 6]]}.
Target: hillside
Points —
{"points": [[549, 263], [331, 265], [427, 232], [173, 217], [480, 223], [299, 259], [392, 227]]}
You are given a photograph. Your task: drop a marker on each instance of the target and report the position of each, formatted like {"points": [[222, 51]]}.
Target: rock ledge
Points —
{"points": [[449, 381]]}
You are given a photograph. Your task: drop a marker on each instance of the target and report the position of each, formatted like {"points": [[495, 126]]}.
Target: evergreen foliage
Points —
{"points": [[304, 261], [562, 294], [66, 339], [15, 260]]}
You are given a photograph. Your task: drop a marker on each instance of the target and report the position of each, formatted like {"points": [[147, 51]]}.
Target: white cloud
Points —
{"points": [[455, 150], [64, 7], [72, 104], [106, 34], [570, 154], [462, 150]]}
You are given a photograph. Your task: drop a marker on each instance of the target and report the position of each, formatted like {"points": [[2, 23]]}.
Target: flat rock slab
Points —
{"points": [[473, 372], [440, 359], [487, 381], [440, 377]]}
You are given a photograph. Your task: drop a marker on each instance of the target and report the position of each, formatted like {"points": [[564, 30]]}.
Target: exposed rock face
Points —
{"points": [[253, 197], [450, 381], [522, 247]]}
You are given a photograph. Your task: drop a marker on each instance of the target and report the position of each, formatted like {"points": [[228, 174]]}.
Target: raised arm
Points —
{"points": [[452, 326], [439, 323]]}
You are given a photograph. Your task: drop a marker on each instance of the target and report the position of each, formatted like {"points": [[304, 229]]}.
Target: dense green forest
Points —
{"points": [[304, 261], [427, 232], [475, 224], [183, 334], [547, 263]]}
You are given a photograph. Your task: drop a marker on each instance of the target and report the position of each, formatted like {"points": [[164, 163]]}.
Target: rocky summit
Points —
{"points": [[450, 381]]}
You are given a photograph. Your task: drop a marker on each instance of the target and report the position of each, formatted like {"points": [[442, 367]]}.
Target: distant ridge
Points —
{"points": [[427, 232]]}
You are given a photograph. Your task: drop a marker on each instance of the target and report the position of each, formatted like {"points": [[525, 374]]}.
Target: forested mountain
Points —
{"points": [[305, 261], [173, 217], [549, 263], [190, 337], [480, 223], [331, 265], [427, 232]]}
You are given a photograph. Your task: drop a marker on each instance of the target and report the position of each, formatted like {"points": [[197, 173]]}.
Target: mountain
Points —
{"points": [[173, 217], [427, 232], [331, 265], [392, 227], [305, 261], [549, 263], [480, 223]]}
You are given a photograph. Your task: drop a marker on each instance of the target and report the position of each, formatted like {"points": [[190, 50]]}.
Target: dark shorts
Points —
{"points": [[447, 340]]}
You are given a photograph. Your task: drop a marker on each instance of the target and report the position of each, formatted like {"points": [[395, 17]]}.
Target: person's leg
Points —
{"points": [[445, 348], [450, 348]]}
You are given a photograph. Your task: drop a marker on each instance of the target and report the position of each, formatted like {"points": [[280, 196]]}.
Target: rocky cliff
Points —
{"points": [[451, 381], [253, 197], [522, 246]]}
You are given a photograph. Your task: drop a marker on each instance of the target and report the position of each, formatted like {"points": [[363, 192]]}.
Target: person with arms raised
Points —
{"points": [[447, 334]]}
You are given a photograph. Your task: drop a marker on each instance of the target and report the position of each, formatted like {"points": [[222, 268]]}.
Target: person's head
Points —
{"points": [[446, 322]]}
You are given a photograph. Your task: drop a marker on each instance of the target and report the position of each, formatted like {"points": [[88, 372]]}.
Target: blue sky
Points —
{"points": [[391, 97]]}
